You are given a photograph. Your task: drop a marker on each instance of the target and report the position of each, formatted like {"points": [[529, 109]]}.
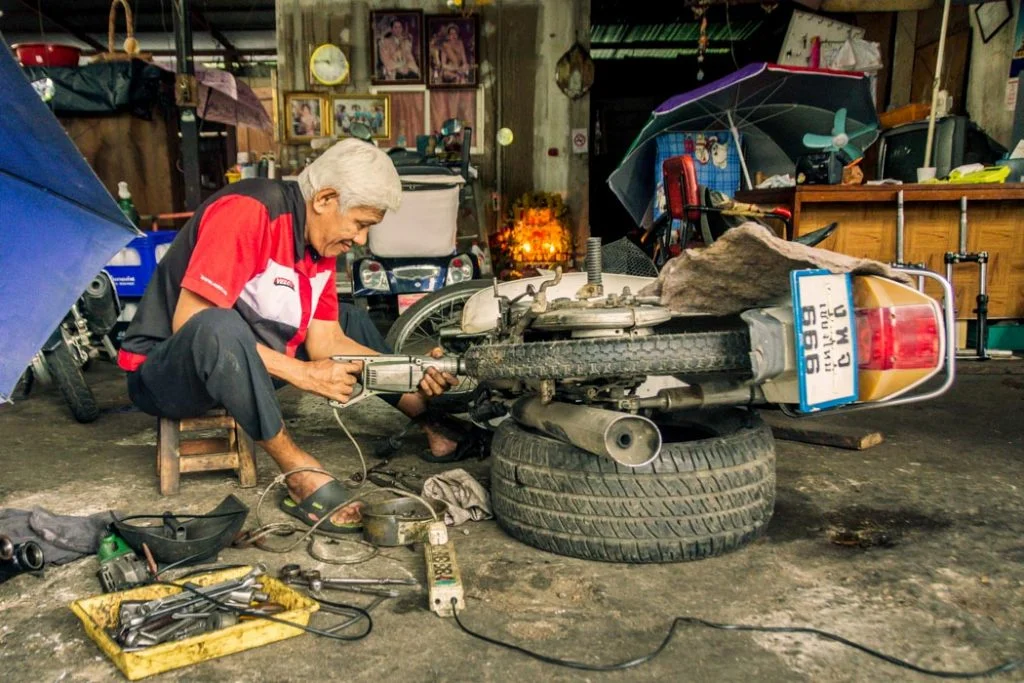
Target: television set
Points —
{"points": [[958, 141]]}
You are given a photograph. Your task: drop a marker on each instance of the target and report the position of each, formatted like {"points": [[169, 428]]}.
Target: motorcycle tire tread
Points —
{"points": [[73, 387], [659, 354], [698, 499]]}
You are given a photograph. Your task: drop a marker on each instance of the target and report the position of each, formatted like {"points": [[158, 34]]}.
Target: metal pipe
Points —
{"points": [[705, 395], [900, 225], [629, 440], [963, 225], [982, 306]]}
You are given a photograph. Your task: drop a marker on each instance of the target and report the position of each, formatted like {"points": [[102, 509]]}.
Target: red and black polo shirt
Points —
{"points": [[245, 248]]}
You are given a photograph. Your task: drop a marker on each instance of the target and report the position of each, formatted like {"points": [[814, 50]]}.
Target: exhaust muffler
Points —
{"points": [[629, 440]]}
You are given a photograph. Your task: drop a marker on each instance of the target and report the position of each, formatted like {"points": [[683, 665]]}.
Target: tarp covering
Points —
{"points": [[58, 224], [747, 267], [106, 87]]}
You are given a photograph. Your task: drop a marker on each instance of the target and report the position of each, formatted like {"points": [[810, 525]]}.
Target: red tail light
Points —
{"points": [[898, 338], [373, 267], [456, 262]]}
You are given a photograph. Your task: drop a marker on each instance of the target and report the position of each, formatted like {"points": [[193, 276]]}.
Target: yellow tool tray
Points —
{"points": [[100, 613]]}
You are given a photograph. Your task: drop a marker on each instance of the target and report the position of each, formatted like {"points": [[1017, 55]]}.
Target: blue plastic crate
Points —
{"points": [[137, 262]]}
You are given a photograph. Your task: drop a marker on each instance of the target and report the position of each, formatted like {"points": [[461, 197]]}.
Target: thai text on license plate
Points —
{"points": [[826, 338]]}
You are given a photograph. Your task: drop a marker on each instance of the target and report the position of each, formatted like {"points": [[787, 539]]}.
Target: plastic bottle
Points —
{"points": [[124, 200], [246, 167]]}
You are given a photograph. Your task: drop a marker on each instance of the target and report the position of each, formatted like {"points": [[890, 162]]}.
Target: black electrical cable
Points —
{"points": [[211, 515], [260, 615], [627, 664]]}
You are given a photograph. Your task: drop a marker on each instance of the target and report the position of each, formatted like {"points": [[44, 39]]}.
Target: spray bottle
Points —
{"points": [[124, 200]]}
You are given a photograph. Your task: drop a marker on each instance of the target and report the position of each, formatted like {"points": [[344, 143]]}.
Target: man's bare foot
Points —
{"points": [[301, 485], [305, 484], [440, 445]]}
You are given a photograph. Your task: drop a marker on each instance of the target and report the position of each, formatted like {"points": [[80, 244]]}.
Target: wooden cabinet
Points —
{"points": [[867, 228]]}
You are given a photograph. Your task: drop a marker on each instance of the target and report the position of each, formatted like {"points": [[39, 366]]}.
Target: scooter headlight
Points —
{"points": [[373, 276], [460, 269]]}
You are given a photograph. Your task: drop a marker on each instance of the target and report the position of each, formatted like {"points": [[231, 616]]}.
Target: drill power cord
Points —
{"points": [[316, 549], [690, 621]]}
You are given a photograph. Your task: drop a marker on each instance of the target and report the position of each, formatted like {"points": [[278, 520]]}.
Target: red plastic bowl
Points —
{"points": [[47, 54]]}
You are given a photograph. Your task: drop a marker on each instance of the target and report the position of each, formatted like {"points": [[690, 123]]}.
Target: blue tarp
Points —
{"points": [[58, 224]]}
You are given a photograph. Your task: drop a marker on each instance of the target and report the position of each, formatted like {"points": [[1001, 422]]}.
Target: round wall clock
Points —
{"points": [[329, 65]]}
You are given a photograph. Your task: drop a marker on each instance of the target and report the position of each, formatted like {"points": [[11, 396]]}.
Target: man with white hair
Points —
{"points": [[244, 301]]}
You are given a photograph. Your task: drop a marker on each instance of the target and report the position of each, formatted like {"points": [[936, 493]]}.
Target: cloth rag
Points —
{"points": [[466, 498], [62, 538], [748, 266]]}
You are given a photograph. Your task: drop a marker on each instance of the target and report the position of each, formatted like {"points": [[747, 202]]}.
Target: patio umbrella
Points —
{"points": [[58, 224], [225, 99], [769, 105]]}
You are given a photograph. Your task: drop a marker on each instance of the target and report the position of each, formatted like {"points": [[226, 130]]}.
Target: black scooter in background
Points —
{"points": [[81, 337]]}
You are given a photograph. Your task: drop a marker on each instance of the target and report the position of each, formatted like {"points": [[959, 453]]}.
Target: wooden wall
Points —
{"points": [[142, 153], [958, 44]]}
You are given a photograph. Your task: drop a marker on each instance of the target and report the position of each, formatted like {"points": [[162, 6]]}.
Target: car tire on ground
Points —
{"points": [[700, 498]]}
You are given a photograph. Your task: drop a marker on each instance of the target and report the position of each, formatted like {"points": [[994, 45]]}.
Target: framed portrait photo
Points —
{"points": [[452, 51], [372, 111], [396, 40], [305, 116]]}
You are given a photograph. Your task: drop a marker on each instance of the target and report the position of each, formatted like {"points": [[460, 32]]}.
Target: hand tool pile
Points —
{"points": [[143, 624]]}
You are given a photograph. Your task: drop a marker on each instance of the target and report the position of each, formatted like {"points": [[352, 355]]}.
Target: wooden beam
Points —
{"points": [[67, 28], [814, 432]]}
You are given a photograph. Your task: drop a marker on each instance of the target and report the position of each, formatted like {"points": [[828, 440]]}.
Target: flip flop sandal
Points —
{"points": [[322, 501]]}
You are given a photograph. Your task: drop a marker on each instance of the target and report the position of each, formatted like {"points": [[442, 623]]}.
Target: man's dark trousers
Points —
{"points": [[212, 362]]}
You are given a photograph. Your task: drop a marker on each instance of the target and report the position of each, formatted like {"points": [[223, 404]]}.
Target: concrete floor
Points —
{"points": [[946, 490]]}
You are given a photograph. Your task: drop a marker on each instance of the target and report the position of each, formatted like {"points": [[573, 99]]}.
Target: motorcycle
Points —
{"points": [[81, 337], [438, 190]]}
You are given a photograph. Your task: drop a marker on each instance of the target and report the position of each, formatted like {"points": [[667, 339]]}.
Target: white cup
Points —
{"points": [[925, 174]]}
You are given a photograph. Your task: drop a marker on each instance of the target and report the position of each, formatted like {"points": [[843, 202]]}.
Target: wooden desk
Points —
{"points": [[867, 228]]}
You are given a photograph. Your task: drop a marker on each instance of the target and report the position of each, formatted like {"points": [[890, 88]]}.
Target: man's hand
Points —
{"points": [[330, 379], [435, 383]]}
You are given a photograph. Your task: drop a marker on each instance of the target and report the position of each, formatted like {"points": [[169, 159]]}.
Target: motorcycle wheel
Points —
{"points": [[417, 332], [699, 498], [71, 382], [657, 354]]}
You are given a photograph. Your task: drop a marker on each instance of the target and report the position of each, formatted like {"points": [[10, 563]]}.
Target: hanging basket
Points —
{"points": [[131, 45]]}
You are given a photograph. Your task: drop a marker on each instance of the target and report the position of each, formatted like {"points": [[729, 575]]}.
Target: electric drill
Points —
{"points": [[394, 374]]}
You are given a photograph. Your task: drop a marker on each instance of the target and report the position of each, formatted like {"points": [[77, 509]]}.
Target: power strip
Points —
{"points": [[444, 580]]}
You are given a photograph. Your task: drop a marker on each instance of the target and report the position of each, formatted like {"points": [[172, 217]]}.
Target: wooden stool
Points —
{"points": [[177, 455]]}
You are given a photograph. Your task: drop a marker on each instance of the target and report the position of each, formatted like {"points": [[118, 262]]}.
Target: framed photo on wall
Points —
{"points": [[373, 111], [452, 51], [305, 116], [396, 40], [408, 114]]}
